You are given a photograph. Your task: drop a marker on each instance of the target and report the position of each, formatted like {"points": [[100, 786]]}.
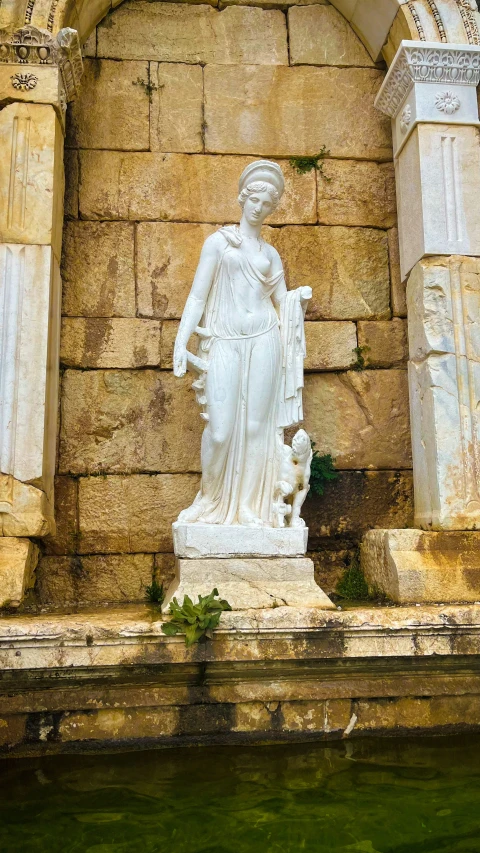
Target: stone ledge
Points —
{"points": [[119, 636], [111, 679]]}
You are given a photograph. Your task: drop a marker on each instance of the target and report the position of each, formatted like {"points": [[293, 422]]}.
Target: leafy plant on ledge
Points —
{"points": [[155, 593], [352, 586], [196, 621], [321, 471], [302, 165]]}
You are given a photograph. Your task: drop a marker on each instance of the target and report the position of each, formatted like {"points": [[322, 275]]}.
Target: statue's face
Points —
{"points": [[257, 207]]}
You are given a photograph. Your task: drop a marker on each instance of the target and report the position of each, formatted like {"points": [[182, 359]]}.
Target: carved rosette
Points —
{"points": [[31, 46]]}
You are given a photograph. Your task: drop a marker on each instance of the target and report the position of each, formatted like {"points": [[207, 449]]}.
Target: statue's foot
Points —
{"points": [[249, 519], [192, 513]]}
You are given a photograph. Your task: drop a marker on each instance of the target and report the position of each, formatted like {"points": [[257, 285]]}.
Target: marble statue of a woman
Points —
{"points": [[249, 364]]}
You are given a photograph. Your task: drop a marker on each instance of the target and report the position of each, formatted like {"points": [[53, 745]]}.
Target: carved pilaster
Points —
{"points": [[430, 95]]}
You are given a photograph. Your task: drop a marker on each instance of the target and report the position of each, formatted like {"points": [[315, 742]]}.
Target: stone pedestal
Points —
{"points": [[415, 566], [252, 568]]}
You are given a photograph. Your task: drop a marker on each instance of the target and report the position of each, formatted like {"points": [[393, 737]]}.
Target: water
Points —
{"points": [[376, 796]]}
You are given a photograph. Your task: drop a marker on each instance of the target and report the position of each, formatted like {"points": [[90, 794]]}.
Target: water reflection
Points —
{"points": [[365, 796]]}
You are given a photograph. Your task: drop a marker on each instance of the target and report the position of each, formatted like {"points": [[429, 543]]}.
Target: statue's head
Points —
{"points": [[301, 445], [260, 189]]}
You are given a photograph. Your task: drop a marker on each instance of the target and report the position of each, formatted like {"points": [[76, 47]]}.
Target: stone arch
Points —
{"points": [[380, 24]]}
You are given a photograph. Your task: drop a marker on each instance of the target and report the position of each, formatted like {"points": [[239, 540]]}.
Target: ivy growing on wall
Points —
{"points": [[302, 165]]}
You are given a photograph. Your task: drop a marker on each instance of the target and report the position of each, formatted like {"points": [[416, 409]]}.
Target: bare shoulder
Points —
{"points": [[214, 243]]}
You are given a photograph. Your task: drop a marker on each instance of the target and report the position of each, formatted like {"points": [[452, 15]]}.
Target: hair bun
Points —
{"points": [[262, 170]]}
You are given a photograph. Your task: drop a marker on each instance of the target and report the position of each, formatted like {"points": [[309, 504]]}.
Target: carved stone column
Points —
{"points": [[38, 75], [430, 94]]}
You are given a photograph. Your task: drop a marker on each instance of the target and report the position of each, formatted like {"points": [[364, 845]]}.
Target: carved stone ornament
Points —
{"points": [[447, 102], [429, 63], [24, 81], [406, 118], [32, 46]]}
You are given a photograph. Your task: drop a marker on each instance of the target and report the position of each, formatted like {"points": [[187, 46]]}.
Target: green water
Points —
{"points": [[381, 796]]}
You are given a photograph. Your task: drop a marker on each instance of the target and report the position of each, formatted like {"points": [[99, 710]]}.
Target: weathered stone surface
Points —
{"points": [[330, 345], [192, 188], [65, 539], [98, 342], [18, 558], [356, 502], [361, 418], [356, 192], [128, 421], [444, 373], [280, 108], [174, 32], [169, 333], [132, 514], [93, 580], [319, 35], [70, 202], [31, 175], [418, 566], [98, 270], [425, 219], [386, 341], [89, 48], [112, 109], [164, 569], [398, 287], [434, 713], [167, 257], [331, 562], [120, 724], [251, 584], [26, 509], [347, 269], [176, 111], [30, 293]]}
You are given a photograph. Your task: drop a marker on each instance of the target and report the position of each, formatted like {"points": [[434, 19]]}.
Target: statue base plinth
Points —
{"points": [[255, 583], [224, 541]]}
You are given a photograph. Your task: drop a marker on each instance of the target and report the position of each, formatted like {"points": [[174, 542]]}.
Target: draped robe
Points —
{"points": [[234, 339]]}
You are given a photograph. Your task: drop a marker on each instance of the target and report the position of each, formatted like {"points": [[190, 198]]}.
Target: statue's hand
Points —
{"points": [[305, 293], [180, 361]]}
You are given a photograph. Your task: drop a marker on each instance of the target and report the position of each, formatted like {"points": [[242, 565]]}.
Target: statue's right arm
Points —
{"points": [[195, 304]]}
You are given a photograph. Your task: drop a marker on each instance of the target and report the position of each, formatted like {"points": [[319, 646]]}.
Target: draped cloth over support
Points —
{"points": [[292, 330]]}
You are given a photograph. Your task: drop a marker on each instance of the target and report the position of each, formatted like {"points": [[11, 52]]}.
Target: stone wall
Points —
{"points": [[176, 99]]}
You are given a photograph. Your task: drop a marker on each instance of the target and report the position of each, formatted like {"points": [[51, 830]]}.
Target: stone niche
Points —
{"points": [[159, 136]]}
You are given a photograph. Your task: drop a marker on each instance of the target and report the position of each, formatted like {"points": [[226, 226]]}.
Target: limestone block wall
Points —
{"points": [[176, 100]]}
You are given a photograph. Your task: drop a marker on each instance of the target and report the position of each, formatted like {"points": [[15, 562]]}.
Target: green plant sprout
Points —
{"points": [[360, 363], [147, 87], [321, 471], [196, 621], [352, 586], [302, 165], [155, 593]]}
